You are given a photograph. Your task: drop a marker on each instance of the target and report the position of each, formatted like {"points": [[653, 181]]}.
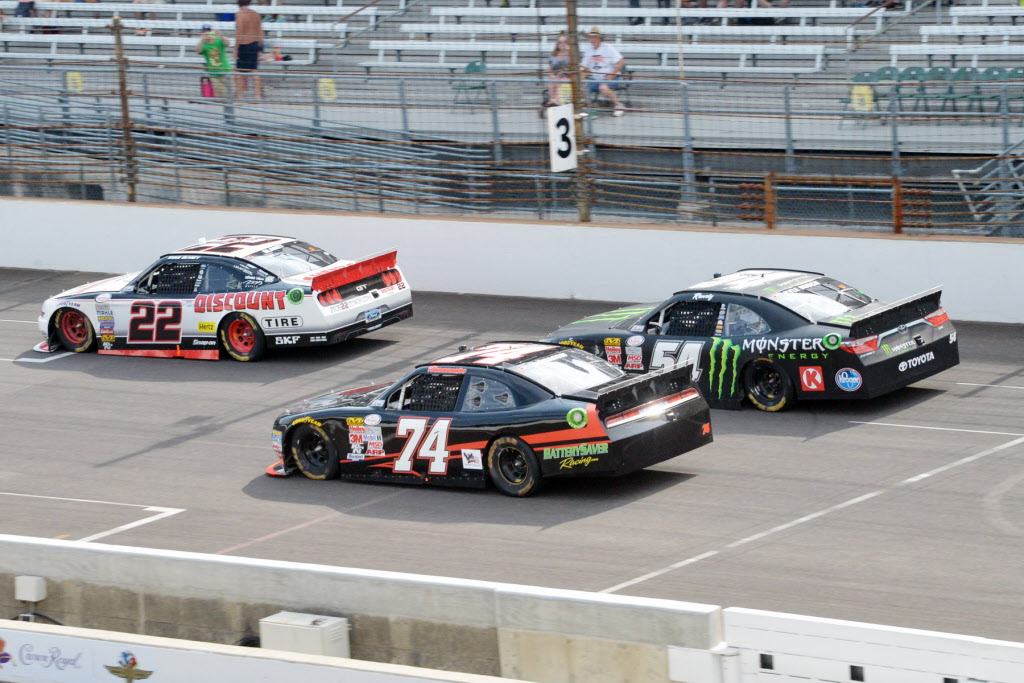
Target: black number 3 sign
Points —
{"points": [[562, 137]]}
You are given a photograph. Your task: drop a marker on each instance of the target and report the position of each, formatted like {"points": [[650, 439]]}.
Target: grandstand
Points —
{"points": [[736, 115]]}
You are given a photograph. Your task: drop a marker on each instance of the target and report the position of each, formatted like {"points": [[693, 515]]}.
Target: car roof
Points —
{"points": [[755, 281], [234, 246], [494, 355]]}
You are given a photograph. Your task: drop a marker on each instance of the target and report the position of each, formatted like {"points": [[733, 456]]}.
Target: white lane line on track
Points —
{"points": [[941, 429], [37, 360], [310, 523], [29, 322], [164, 512], [820, 513], [998, 386]]}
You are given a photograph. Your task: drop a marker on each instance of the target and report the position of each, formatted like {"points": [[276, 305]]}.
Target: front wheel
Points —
{"points": [[513, 467], [74, 330], [242, 337], [768, 387], [313, 453]]}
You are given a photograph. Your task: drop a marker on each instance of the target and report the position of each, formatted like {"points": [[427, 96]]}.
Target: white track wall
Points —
{"points": [[552, 260]]}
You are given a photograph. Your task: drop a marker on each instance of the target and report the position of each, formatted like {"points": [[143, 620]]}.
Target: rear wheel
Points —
{"points": [[768, 387], [313, 453], [242, 337], [513, 467], [74, 330]]}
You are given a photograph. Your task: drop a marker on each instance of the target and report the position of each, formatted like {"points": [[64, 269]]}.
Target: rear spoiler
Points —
{"points": [[634, 390], [895, 314], [336, 276]]}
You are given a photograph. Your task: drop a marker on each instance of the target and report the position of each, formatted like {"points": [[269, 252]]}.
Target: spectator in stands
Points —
{"points": [[558, 69], [214, 50], [248, 45], [661, 3], [602, 63], [25, 8]]}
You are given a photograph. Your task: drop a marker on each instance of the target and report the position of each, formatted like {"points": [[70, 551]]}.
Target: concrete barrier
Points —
{"points": [[40, 653], [470, 626], [554, 260]]}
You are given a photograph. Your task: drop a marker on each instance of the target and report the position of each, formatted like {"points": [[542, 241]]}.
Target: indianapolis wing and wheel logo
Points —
{"points": [[128, 668]]}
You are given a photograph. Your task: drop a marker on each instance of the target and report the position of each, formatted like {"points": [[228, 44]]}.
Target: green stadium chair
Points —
{"points": [[466, 89], [915, 93], [962, 88]]}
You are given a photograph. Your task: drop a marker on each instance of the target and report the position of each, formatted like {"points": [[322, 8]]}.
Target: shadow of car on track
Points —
{"points": [[282, 364], [812, 419], [562, 500]]}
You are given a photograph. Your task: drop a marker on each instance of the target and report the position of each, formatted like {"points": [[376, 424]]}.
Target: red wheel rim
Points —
{"points": [[241, 336], [74, 327]]}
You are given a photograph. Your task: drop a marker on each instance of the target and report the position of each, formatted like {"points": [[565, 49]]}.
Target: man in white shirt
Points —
{"points": [[603, 63]]}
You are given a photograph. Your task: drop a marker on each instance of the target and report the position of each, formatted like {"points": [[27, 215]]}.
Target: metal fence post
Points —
{"points": [[894, 111], [689, 161], [897, 206], [404, 108], [582, 186], [492, 87], [769, 201], [126, 118], [790, 154]]}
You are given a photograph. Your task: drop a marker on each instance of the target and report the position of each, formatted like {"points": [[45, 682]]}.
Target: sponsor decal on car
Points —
{"points": [[278, 323], [577, 418], [204, 342], [634, 361], [570, 342], [635, 340], [354, 421], [784, 345], [703, 297], [849, 379], [276, 440], [284, 341], [373, 418], [102, 298], [307, 420], [373, 314], [318, 339], [613, 316], [812, 378], [721, 366], [570, 463], [73, 304], [576, 451], [897, 349], [916, 361], [207, 326], [239, 301], [472, 459], [295, 296], [107, 337]]}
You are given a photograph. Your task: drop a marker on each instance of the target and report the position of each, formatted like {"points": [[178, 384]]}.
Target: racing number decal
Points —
{"points": [[153, 322], [563, 128], [678, 353], [434, 447]]}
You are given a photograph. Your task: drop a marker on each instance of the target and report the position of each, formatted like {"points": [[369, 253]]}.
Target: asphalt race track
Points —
{"points": [[907, 511]]}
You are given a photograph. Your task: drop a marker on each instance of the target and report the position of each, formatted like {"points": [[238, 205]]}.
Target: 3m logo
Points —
{"points": [[811, 378]]}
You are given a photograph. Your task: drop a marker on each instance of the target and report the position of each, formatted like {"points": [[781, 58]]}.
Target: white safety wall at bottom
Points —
{"points": [[41, 653], [812, 650], [549, 260]]}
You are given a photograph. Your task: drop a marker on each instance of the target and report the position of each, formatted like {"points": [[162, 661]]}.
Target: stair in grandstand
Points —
{"points": [[994, 192]]}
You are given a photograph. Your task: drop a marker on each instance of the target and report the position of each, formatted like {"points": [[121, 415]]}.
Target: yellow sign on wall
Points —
{"points": [[325, 90], [73, 81], [862, 98]]}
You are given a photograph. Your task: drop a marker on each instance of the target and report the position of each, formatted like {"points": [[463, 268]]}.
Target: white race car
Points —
{"points": [[240, 294]]}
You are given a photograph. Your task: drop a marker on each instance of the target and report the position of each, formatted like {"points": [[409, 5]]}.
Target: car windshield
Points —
{"points": [[293, 258], [569, 371], [822, 298]]}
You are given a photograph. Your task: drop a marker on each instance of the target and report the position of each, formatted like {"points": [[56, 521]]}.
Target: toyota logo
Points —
{"points": [[903, 366], [902, 328]]}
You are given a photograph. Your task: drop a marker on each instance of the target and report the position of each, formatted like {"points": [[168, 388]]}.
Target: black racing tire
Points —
{"points": [[513, 467], [313, 452], [242, 338], [768, 386], [74, 330]]}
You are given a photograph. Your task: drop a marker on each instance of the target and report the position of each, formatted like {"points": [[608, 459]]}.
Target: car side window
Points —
{"points": [[483, 394], [740, 321], [429, 392], [175, 278], [228, 277], [691, 319]]}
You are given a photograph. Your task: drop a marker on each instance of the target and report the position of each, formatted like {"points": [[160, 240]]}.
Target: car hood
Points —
{"points": [[620, 319], [111, 284], [348, 398]]}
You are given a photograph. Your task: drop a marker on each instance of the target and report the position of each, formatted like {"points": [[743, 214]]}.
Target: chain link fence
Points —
{"points": [[816, 155]]}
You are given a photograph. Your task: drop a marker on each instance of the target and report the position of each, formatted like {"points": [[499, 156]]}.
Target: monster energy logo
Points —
{"points": [[721, 349], [613, 316]]}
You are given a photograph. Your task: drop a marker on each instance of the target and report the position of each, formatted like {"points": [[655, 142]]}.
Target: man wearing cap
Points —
{"points": [[213, 48], [603, 63]]}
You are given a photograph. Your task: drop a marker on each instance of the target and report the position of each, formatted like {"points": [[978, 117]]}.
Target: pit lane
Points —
{"points": [[907, 510]]}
